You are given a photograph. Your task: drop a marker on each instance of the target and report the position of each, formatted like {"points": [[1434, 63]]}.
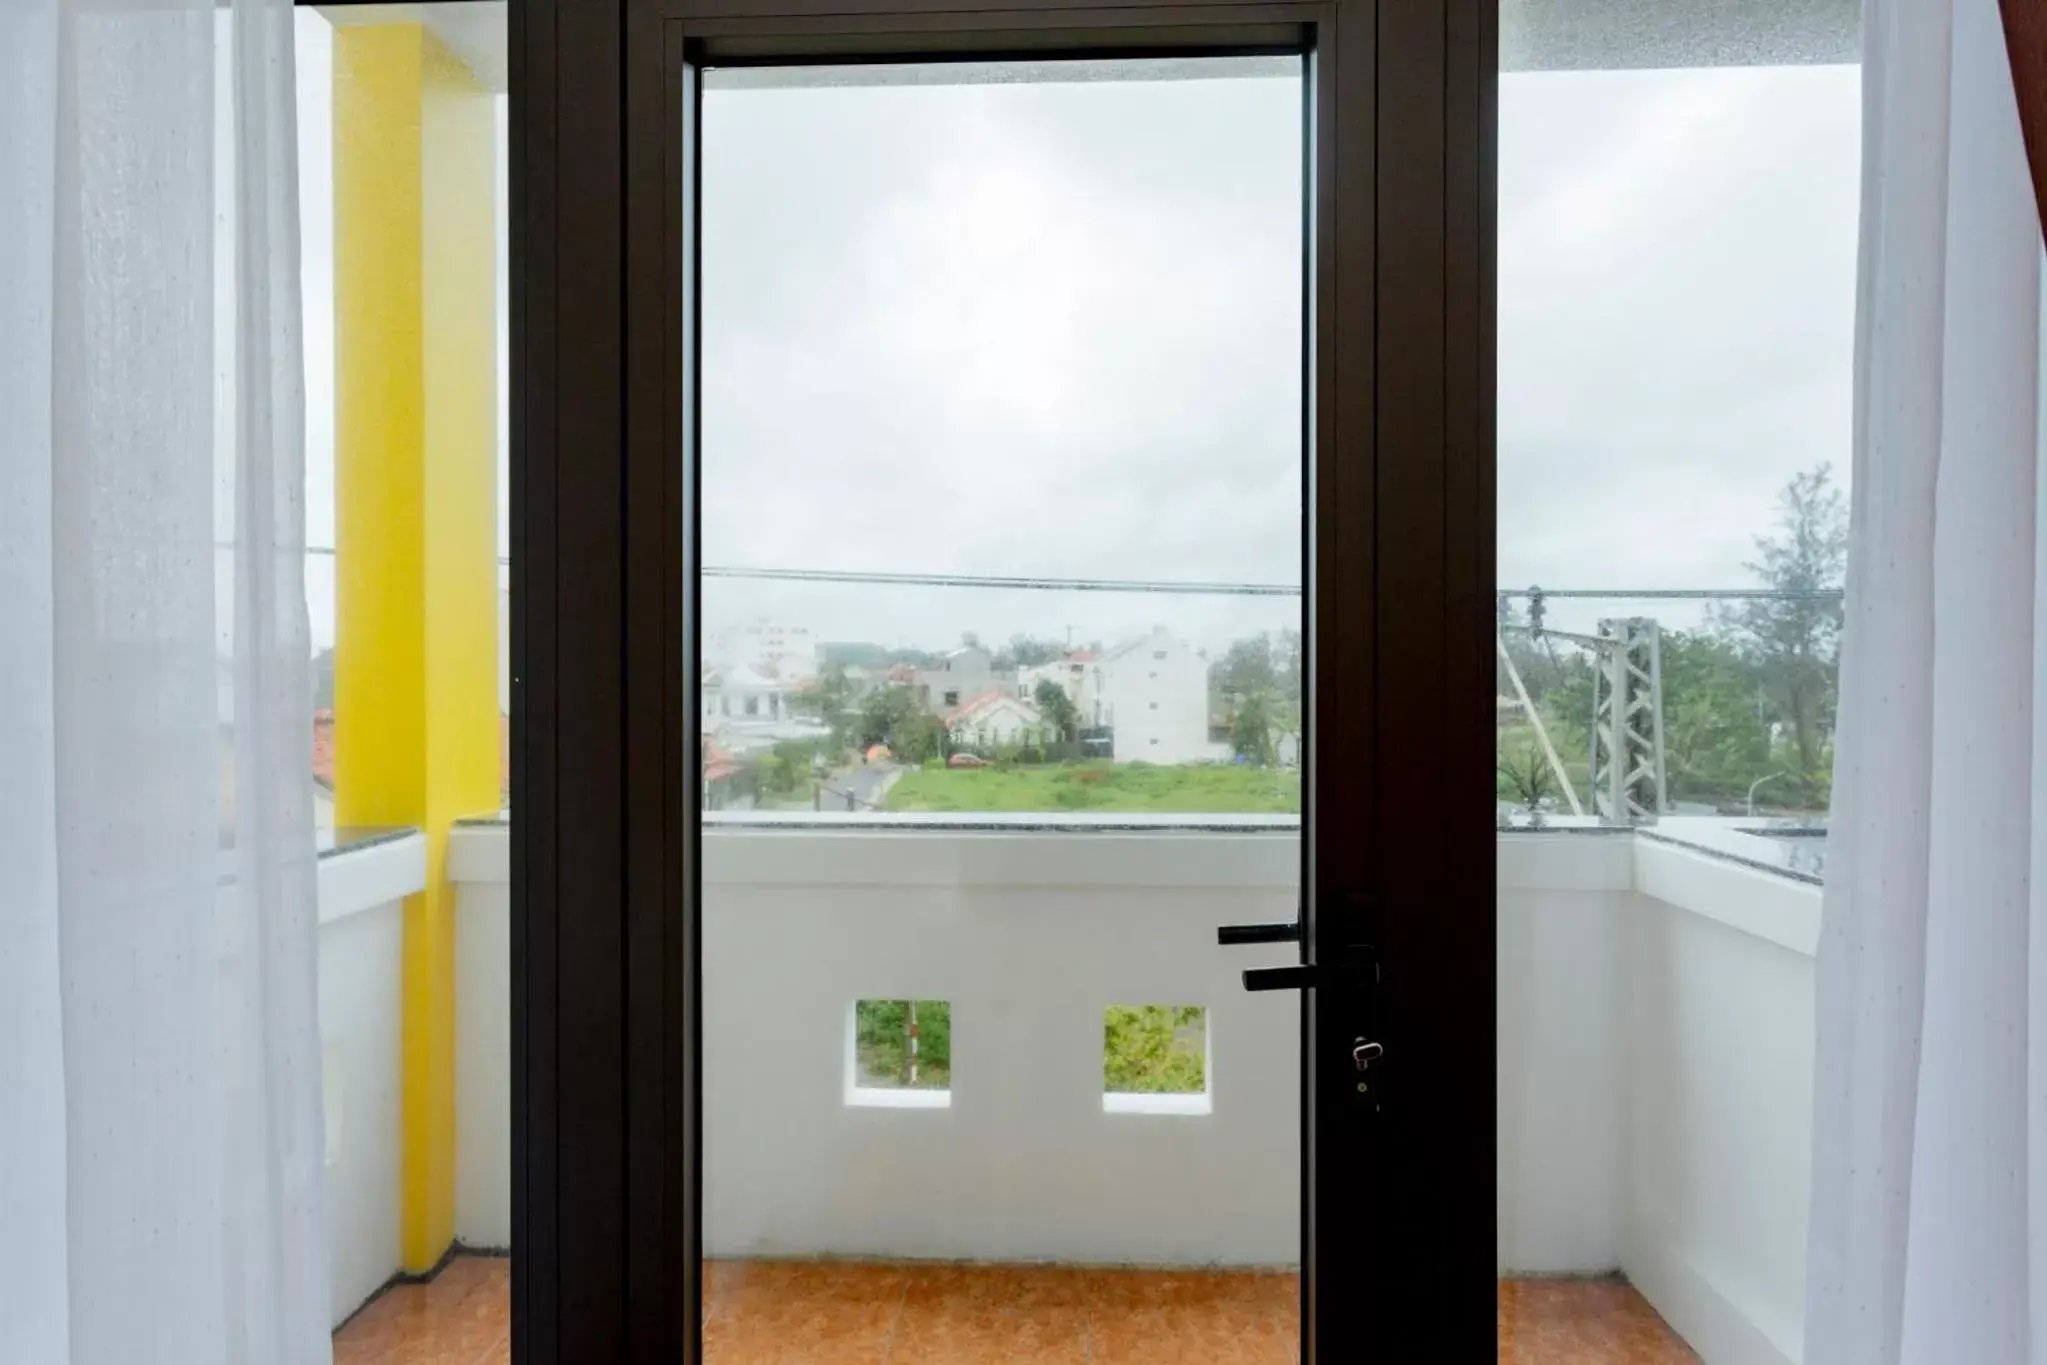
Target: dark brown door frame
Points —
{"points": [[1398, 1208]]}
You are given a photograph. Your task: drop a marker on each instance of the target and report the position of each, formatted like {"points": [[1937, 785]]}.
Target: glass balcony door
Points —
{"points": [[1019, 589], [998, 666]]}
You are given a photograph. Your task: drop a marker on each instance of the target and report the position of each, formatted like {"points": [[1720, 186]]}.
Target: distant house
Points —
{"points": [[1153, 693], [1078, 675], [961, 674], [723, 775], [861, 679], [747, 711], [744, 692], [995, 717]]}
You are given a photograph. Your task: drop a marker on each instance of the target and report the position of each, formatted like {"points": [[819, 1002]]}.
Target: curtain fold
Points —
{"points": [[161, 1176], [1929, 1131]]}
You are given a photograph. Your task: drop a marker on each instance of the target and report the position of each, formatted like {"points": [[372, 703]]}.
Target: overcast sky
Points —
{"points": [[1034, 329], [1053, 329], [1677, 308]]}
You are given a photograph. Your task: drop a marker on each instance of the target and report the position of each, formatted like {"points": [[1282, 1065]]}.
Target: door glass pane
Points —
{"points": [[1677, 249], [999, 708]]}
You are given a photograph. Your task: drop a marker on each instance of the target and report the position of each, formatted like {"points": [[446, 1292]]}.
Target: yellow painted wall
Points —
{"points": [[415, 679]]}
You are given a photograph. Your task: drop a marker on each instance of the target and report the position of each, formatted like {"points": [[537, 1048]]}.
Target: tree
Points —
{"points": [[830, 699], [1251, 730], [1714, 743], [882, 1042], [1522, 770], [1566, 706], [1793, 640], [1541, 667], [1762, 666], [1289, 710], [1028, 651], [1058, 708], [919, 739], [786, 768], [882, 711], [777, 774], [1257, 686], [892, 715], [1246, 669]]}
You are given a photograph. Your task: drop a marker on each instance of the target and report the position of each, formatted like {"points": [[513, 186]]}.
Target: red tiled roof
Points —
{"points": [[323, 747], [982, 701], [718, 763]]}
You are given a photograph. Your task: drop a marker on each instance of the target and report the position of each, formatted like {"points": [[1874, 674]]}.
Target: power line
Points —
{"points": [[1193, 588], [1679, 594], [1131, 585]]}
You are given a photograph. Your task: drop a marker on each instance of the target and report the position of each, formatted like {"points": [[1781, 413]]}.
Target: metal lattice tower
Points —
{"points": [[1626, 758]]}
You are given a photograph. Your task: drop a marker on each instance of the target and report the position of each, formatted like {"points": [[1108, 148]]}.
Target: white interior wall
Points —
{"points": [[480, 864], [1720, 1024], [1030, 938], [361, 940], [1654, 1085], [1562, 909]]}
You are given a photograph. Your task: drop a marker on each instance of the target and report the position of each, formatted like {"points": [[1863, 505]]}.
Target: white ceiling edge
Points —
{"points": [[1617, 35], [474, 30], [1535, 35], [1013, 71]]}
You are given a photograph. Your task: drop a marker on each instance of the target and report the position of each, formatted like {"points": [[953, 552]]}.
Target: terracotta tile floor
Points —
{"points": [[853, 1313], [463, 1317]]}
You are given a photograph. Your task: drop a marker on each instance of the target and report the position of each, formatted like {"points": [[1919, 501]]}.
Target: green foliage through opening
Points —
{"points": [[881, 1044], [1155, 1050]]}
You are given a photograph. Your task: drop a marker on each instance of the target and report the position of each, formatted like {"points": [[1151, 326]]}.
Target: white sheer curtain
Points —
{"points": [[160, 1163], [1929, 1209]]}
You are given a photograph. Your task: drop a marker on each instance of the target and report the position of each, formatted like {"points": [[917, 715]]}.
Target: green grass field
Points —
{"points": [[1202, 788]]}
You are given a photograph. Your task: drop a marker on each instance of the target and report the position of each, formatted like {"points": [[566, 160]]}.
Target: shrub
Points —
{"points": [[1154, 1049]]}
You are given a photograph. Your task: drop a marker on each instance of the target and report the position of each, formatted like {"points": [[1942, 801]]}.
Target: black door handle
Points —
{"points": [[1279, 978], [1309, 974], [1232, 935], [1356, 1085]]}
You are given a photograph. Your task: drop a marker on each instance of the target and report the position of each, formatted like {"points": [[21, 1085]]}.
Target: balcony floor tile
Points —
{"points": [[863, 1313]]}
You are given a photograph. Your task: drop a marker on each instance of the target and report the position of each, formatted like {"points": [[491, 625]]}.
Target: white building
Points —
{"points": [[767, 646], [963, 674], [1154, 695], [995, 717], [744, 692], [1079, 675]]}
